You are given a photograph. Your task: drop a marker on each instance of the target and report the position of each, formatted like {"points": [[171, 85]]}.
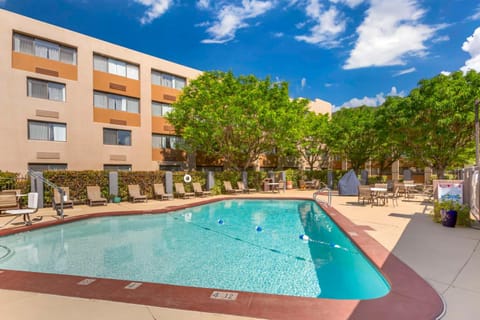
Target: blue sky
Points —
{"points": [[347, 52]]}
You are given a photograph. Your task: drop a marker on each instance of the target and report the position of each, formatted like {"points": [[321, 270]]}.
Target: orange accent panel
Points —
{"points": [[30, 63], [161, 125], [168, 155], [102, 82], [107, 115], [164, 94]]}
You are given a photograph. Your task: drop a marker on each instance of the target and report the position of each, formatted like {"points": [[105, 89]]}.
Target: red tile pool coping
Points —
{"points": [[411, 297]]}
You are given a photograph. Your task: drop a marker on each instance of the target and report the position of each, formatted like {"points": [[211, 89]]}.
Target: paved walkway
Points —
{"points": [[448, 258]]}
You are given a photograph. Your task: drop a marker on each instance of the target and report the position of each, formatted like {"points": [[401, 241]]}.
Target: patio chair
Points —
{"points": [[26, 212], [229, 189], [241, 186], [159, 192], [364, 194], [394, 195], [134, 193], [94, 196], [197, 189], [57, 199], [180, 191]]}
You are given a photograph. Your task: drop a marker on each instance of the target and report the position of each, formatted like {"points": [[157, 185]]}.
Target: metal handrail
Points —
{"points": [[37, 175], [322, 190]]}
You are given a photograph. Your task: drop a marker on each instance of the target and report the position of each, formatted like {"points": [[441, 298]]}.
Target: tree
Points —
{"points": [[352, 134], [392, 125], [236, 119], [312, 145], [441, 127]]}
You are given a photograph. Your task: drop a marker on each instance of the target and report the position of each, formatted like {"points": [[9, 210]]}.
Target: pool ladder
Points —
{"points": [[320, 192]]}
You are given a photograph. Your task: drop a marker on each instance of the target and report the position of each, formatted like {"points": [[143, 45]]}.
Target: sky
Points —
{"points": [[346, 52]]}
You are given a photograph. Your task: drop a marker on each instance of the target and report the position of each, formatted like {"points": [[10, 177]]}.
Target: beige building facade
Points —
{"points": [[74, 102]]}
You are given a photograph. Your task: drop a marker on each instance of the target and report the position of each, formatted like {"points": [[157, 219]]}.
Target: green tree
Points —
{"points": [[236, 119], [352, 134], [312, 145], [392, 124], [441, 126]]}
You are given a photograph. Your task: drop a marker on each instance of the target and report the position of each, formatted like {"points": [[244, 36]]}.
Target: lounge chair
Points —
{"points": [[8, 200], [241, 186], [31, 209], [229, 189], [94, 196], [180, 191], [134, 193], [159, 192], [197, 189], [56, 203]]}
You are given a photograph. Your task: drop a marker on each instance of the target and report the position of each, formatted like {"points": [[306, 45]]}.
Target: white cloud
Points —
{"points": [[389, 34], [349, 3], [472, 46], [303, 83], [203, 4], [402, 72], [445, 73], [475, 15], [328, 25], [372, 101], [278, 34], [230, 18], [155, 9], [441, 39]]}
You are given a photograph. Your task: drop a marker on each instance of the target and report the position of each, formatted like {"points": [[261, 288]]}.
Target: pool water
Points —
{"points": [[242, 245]]}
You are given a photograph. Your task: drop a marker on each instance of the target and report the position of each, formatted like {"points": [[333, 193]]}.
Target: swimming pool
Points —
{"points": [[244, 245]]}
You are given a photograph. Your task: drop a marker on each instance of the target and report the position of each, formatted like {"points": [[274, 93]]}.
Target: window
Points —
{"points": [[48, 131], [160, 109], [116, 102], [168, 80], [47, 166], [117, 137], [114, 66], [44, 49], [117, 167], [162, 141], [45, 89]]}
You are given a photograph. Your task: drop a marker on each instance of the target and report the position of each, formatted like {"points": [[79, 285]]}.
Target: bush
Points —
{"points": [[463, 212]]}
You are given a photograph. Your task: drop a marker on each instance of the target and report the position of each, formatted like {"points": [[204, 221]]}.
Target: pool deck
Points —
{"points": [[403, 241]]}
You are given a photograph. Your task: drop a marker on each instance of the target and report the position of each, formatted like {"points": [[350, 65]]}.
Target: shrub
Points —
{"points": [[463, 212]]}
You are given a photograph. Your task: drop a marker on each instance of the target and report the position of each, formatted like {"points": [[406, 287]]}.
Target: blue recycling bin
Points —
{"points": [[450, 219]]}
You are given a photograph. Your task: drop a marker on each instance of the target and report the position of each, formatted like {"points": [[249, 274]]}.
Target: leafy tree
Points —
{"points": [[352, 134], [312, 143], [236, 119], [392, 125], [441, 126]]}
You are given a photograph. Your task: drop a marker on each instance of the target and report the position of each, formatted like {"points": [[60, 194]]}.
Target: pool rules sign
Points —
{"points": [[450, 192]]}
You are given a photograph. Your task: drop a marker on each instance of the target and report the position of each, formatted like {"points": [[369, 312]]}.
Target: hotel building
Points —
{"points": [[73, 102]]}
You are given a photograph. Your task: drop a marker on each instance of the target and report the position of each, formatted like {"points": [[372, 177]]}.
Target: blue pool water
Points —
{"points": [[245, 245]]}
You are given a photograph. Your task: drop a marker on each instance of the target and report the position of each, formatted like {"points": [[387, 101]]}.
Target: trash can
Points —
{"points": [[450, 219]]}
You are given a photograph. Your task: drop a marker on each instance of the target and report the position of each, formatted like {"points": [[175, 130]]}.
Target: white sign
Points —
{"points": [[450, 192], [221, 295]]}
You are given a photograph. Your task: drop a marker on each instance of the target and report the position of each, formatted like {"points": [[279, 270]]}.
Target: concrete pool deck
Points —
{"points": [[447, 258]]}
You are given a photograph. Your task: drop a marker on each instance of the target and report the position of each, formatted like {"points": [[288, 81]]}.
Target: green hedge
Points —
{"points": [[77, 181]]}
